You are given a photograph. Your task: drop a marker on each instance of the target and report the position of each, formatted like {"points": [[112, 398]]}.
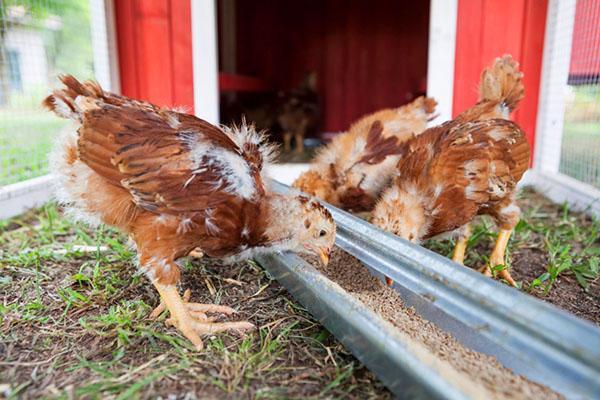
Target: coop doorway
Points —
{"points": [[357, 56]]}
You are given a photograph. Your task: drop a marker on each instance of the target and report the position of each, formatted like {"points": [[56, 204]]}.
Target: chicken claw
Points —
{"points": [[497, 257], [191, 319], [196, 253]]}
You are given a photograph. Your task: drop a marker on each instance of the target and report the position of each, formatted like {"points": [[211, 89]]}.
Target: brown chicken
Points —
{"points": [[299, 113], [500, 90], [452, 173], [465, 167], [174, 182], [357, 165]]}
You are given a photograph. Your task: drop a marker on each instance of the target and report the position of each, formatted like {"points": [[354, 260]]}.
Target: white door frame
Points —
{"points": [[441, 56], [441, 52], [205, 60]]}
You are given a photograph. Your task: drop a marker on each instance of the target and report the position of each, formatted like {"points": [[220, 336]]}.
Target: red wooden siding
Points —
{"points": [[367, 54], [585, 52], [487, 29], [155, 51]]}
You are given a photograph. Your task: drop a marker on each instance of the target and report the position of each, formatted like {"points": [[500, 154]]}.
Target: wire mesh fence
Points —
{"points": [[39, 39], [580, 150]]}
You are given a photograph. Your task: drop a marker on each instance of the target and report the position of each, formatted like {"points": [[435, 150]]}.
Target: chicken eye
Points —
{"points": [[322, 233]]}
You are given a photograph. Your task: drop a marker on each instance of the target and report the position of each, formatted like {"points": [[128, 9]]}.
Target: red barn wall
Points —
{"points": [[367, 54], [155, 51], [487, 29], [585, 51]]}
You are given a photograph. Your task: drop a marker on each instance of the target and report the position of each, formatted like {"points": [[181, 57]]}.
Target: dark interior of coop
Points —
{"points": [[362, 56]]}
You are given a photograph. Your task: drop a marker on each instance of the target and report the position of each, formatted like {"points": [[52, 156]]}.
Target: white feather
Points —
{"points": [[209, 224], [62, 109], [233, 167]]}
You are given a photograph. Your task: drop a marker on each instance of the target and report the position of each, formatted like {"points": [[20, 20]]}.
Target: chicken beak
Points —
{"points": [[324, 256]]}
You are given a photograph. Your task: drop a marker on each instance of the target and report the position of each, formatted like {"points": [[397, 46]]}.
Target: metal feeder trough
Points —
{"points": [[527, 335]]}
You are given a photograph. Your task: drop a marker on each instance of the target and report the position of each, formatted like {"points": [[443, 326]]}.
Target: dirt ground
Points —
{"points": [[74, 324], [554, 254]]}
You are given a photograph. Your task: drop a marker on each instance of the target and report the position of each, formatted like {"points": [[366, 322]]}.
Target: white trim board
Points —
{"points": [[103, 34], [441, 55], [19, 197], [205, 60], [560, 20]]}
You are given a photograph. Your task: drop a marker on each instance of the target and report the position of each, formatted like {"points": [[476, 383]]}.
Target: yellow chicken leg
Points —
{"points": [[497, 256], [190, 318], [461, 245]]}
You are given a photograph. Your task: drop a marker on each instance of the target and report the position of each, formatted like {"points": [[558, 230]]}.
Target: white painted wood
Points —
{"points": [[286, 173], [19, 197], [441, 55], [103, 45], [205, 60], [113, 51], [553, 87]]}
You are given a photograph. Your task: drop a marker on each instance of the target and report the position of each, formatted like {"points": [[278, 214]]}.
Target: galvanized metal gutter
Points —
{"points": [[371, 339], [534, 338]]}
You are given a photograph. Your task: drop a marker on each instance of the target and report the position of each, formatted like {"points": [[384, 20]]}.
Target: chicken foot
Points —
{"points": [[197, 253], [190, 318], [461, 245], [497, 257]]}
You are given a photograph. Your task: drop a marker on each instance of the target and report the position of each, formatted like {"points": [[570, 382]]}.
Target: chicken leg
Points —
{"points": [[190, 318], [461, 245], [287, 141], [299, 141], [497, 257]]}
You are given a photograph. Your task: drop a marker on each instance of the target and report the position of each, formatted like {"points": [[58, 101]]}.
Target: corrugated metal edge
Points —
{"points": [[533, 338], [371, 339]]}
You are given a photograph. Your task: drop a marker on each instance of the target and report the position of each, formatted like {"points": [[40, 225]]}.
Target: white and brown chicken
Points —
{"points": [[466, 167], [352, 170], [174, 182]]}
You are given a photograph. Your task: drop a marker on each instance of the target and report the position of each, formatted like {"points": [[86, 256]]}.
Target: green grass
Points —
{"points": [[25, 141], [572, 247], [561, 243], [75, 325], [580, 152]]}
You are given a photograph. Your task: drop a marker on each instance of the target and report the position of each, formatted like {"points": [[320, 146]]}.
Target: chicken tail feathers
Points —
{"points": [[502, 83], [74, 98]]}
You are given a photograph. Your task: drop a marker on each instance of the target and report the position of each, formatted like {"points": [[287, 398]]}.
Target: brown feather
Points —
{"points": [[145, 180]]}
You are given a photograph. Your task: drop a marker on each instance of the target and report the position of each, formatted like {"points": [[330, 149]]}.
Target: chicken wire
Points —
{"points": [[580, 147], [39, 39]]}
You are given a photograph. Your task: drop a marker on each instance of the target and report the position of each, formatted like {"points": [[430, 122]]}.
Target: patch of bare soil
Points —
{"points": [[529, 254], [530, 261], [566, 293], [103, 346], [478, 375]]}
